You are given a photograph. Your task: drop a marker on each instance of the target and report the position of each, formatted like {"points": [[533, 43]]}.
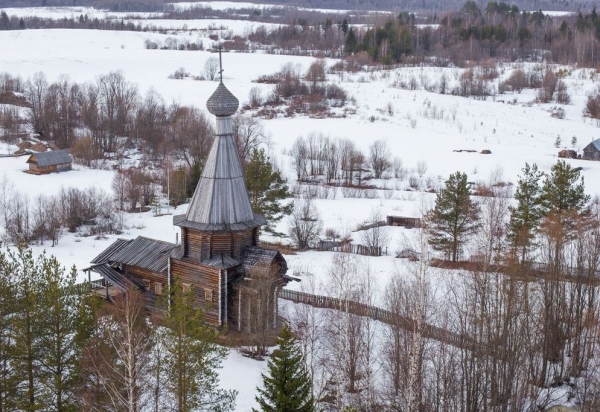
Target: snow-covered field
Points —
{"points": [[73, 12], [421, 126]]}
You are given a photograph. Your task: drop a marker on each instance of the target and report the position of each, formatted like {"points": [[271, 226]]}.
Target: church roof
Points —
{"points": [[220, 201], [222, 102], [141, 252], [181, 220]]}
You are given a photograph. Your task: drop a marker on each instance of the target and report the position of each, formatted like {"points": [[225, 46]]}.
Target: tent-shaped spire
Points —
{"points": [[221, 198]]}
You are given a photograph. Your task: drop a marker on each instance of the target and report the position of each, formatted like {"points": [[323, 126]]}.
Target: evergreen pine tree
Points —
{"points": [[266, 189], [351, 42], [563, 190], [192, 356], [25, 326], [288, 387], [526, 215], [454, 217], [563, 202], [8, 376], [65, 322]]}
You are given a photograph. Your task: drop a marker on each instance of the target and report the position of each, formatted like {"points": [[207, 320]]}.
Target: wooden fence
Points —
{"points": [[381, 315], [350, 248]]}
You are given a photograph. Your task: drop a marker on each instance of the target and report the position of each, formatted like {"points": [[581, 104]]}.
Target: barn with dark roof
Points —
{"points": [[50, 162], [219, 257]]}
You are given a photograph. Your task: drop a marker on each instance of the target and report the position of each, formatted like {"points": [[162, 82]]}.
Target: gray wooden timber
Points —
{"points": [[256, 258], [221, 196], [221, 261], [110, 251], [115, 277], [181, 220], [145, 253], [222, 102]]}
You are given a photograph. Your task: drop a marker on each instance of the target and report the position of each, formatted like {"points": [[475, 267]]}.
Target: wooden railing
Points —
{"points": [[350, 248], [381, 315]]}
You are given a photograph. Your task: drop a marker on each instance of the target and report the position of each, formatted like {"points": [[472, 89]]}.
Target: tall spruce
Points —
{"points": [[288, 387], [267, 189], [192, 356], [454, 217], [526, 215]]}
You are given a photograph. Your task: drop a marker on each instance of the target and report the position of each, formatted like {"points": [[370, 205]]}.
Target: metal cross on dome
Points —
{"points": [[220, 48]]}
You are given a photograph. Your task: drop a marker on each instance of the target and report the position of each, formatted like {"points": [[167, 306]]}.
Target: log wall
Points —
{"points": [[153, 281], [201, 245], [201, 279]]}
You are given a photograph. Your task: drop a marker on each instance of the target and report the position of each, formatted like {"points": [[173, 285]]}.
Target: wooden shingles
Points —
{"points": [[145, 253]]}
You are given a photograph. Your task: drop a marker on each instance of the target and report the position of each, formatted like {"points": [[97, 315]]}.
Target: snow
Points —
{"points": [[515, 133], [244, 375], [229, 5], [237, 27], [56, 13]]}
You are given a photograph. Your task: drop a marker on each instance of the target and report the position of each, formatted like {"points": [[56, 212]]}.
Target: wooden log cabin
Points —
{"points": [[49, 162], [408, 222], [234, 280]]}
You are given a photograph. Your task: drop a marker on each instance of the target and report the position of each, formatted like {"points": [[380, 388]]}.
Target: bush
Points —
{"points": [[179, 74]]}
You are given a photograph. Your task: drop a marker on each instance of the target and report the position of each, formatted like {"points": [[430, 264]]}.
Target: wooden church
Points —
{"points": [[219, 258]]}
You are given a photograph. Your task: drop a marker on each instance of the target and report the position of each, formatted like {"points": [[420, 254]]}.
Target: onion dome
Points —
{"points": [[222, 102]]}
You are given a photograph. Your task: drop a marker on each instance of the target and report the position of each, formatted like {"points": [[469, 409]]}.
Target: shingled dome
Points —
{"points": [[222, 102]]}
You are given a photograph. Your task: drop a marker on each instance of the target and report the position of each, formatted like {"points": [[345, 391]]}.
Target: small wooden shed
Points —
{"points": [[408, 222], [50, 162], [592, 151]]}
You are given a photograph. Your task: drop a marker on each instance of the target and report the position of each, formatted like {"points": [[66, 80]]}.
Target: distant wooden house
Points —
{"points": [[408, 222], [592, 151], [50, 162], [567, 154]]}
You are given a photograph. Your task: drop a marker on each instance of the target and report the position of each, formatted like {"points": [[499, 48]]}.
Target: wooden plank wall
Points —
{"points": [[153, 277], [201, 245], [200, 278]]}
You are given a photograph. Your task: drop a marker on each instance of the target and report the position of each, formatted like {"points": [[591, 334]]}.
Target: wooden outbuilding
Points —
{"points": [[408, 222], [235, 281], [567, 154], [592, 151], [50, 162]]}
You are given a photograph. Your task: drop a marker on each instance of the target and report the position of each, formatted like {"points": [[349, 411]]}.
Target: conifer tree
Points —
{"points": [[563, 202], [563, 190], [26, 327], [65, 325], [192, 356], [288, 387], [454, 217], [8, 378], [266, 189], [526, 215]]}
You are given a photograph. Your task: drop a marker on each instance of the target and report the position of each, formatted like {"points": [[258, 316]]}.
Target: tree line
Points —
{"points": [[470, 34], [62, 350], [46, 217]]}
